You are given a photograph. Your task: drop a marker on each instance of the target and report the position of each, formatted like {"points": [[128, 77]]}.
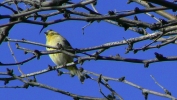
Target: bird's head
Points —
{"points": [[50, 34]]}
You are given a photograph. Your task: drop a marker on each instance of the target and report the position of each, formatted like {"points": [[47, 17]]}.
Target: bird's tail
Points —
{"points": [[75, 71]]}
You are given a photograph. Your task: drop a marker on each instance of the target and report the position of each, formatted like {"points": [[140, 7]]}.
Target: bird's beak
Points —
{"points": [[46, 33]]}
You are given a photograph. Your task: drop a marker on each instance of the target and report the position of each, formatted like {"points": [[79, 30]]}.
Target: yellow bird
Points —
{"points": [[52, 39]]}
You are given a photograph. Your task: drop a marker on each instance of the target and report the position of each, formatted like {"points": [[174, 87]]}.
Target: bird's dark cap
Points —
{"points": [[47, 31]]}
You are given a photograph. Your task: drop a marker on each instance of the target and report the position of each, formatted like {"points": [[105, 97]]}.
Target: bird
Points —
{"points": [[53, 39]]}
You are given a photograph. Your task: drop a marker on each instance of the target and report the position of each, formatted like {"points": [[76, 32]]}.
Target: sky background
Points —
{"points": [[95, 34]]}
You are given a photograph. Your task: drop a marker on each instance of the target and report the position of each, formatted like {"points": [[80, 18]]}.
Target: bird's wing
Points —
{"points": [[68, 45]]}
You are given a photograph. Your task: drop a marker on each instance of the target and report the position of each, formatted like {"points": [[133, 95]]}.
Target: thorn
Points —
{"points": [[59, 72], [9, 72], [167, 92], [34, 79], [50, 67], [111, 12], [87, 76], [136, 9], [37, 53], [159, 56], [122, 79], [146, 64], [25, 52], [23, 39], [135, 17], [17, 46], [145, 95], [135, 51], [6, 81], [66, 15], [44, 26], [99, 78], [26, 85], [76, 98]]}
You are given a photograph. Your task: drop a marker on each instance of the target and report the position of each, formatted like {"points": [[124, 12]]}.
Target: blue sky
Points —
{"points": [[95, 34]]}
